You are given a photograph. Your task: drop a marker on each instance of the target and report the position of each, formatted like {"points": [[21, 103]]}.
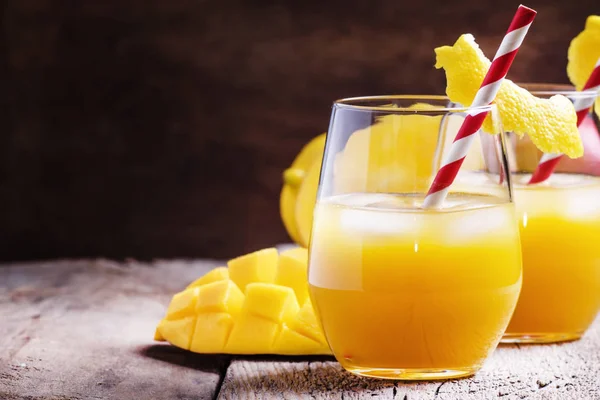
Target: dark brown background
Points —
{"points": [[161, 128]]}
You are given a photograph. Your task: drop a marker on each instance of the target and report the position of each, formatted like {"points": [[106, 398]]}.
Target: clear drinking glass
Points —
{"points": [[559, 221], [403, 292]]}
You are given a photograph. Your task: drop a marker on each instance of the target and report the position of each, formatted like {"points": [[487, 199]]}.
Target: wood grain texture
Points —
{"points": [[161, 128], [564, 371], [83, 330]]}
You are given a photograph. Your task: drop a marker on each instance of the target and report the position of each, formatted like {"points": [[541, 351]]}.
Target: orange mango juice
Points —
{"points": [[413, 293], [560, 237]]}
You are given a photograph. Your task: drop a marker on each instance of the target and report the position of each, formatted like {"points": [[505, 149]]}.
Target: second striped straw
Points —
{"points": [[549, 161]]}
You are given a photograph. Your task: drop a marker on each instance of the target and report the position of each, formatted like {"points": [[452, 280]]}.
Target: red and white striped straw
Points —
{"points": [[582, 104], [485, 95]]}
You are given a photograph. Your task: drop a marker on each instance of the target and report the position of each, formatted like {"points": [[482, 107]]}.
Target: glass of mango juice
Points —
{"points": [[559, 220], [404, 292]]}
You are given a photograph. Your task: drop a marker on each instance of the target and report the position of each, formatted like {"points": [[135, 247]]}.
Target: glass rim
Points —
{"points": [[552, 89], [353, 103]]}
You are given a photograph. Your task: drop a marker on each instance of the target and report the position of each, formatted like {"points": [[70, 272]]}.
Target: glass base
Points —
{"points": [[540, 337], [412, 374]]}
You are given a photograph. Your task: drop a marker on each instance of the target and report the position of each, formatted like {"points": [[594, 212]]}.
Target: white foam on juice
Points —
{"points": [[470, 225], [391, 214], [570, 195], [556, 181], [370, 221]]}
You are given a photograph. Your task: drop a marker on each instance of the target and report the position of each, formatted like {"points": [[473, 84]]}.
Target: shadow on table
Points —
{"points": [[211, 362], [519, 346], [305, 374], [277, 358], [184, 358]]}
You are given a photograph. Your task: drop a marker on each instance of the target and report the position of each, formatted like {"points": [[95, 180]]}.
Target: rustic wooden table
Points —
{"points": [[83, 330]]}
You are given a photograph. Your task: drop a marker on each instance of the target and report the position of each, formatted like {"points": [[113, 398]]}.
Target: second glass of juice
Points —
{"points": [[560, 231], [404, 292]]}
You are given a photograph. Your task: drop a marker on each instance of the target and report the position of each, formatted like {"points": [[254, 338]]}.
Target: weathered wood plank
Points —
{"points": [[83, 330], [565, 371]]}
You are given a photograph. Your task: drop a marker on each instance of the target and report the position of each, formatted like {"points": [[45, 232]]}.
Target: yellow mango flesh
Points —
{"points": [[183, 304], [178, 332], [251, 333], [260, 266], [272, 315], [293, 272], [217, 274], [298, 344], [215, 328], [306, 323], [223, 296], [273, 302]]}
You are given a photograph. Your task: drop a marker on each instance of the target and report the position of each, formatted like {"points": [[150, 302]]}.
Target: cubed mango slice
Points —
{"points": [[211, 333], [183, 304], [252, 335], [273, 302], [291, 342], [260, 266], [213, 315], [157, 336], [306, 323], [220, 296], [178, 332], [292, 272], [215, 275]]}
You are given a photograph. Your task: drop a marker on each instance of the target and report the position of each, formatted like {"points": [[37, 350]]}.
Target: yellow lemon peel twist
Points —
{"points": [[550, 123]]}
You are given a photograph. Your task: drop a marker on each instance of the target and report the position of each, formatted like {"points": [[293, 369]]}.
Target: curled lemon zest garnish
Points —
{"points": [[550, 123]]}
